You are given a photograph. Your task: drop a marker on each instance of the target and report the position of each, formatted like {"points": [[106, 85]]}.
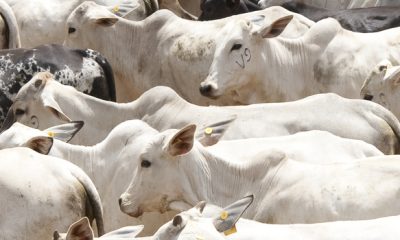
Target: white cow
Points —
{"points": [[43, 102], [106, 163], [102, 161], [39, 193], [175, 171], [163, 49], [43, 21], [9, 37], [381, 86], [251, 63], [81, 229], [214, 223], [226, 224]]}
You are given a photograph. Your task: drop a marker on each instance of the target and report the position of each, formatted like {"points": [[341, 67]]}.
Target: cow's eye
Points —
{"points": [[19, 112], [71, 30], [145, 163], [236, 46]]}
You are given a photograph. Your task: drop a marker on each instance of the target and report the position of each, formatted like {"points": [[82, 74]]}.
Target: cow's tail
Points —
{"points": [[95, 209], [107, 69], [151, 6], [6, 11], [392, 121]]}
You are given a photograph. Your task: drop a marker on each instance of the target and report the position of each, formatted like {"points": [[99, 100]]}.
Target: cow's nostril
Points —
{"points": [[368, 97], [206, 89]]}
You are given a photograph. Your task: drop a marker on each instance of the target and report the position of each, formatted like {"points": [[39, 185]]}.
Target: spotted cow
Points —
{"points": [[86, 70]]}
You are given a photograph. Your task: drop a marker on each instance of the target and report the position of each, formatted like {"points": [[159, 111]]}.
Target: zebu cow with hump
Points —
{"points": [[251, 62], [86, 70], [167, 50], [109, 173], [49, 103], [174, 170]]}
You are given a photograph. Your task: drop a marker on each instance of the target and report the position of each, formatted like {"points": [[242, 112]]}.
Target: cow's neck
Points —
{"points": [[102, 162], [220, 181], [80, 106], [296, 57]]}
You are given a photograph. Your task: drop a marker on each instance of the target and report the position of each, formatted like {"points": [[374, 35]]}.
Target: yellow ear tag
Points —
{"points": [[230, 231], [199, 238], [208, 131], [115, 9], [224, 215], [51, 134]]}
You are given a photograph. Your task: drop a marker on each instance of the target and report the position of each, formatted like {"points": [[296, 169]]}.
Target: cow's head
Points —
{"points": [[158, 180], [19, 135], [382, 86], [213, 225], [88, 19], [35, 104], [237, 54], [251, 63]]}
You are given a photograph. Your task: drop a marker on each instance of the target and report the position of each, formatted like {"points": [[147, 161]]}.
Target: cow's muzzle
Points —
{"points": [[208, 90]]}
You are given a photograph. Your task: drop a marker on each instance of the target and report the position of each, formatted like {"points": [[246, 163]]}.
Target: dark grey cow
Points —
{"points": [[86, 70], [371, 19], [216, 9]]}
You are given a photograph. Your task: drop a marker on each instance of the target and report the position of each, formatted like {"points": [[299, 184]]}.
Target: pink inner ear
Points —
{"points": [[81, 232], [180, 148]]}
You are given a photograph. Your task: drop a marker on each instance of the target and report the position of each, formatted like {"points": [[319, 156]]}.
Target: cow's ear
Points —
{"points": [[212, 133], [182, 142], [395, 78], [40, 79], [106, 21], [274, 29], [226, 220], [64, 132], [80, 230], [40, 144], [50, 103]]}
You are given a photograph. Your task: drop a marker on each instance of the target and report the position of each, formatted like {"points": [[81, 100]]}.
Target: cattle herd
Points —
{"points": [[199, 119]]}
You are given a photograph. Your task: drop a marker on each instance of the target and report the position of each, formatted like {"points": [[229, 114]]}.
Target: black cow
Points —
{"points": [[215, 9], [371, 19], [86, 70]]}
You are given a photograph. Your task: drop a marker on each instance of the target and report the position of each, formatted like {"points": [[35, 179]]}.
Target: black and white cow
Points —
{"points": [[86, 70], [216, 9], [372, 19]]}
